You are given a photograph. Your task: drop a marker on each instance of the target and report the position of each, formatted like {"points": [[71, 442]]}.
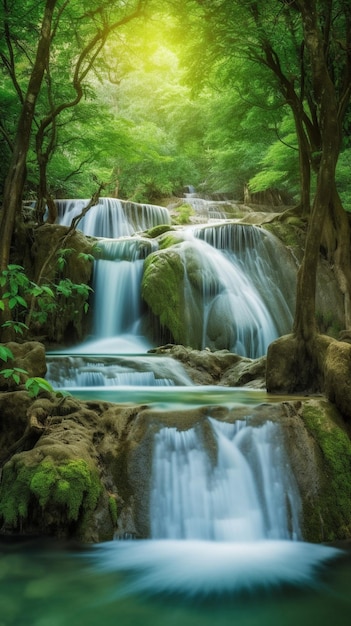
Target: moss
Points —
{"points": [[169, 240], [156, 231], [184, 213], [328, 324], [329, 518], [72, 488], [112, 507], [290, 232], [163, 291]]}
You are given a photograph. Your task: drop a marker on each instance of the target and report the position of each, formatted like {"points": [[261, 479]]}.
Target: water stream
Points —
{"points": [[225, 542]]}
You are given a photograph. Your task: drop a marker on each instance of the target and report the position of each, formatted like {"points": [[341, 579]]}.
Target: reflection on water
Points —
{"points": [[49, 585]]}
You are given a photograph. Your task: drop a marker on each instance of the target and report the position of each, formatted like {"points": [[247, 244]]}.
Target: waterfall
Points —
{"points": [[259, 256], [235, 286], [112, 217], [229, 310], [246, 493], [225, 521], [105, 372]]}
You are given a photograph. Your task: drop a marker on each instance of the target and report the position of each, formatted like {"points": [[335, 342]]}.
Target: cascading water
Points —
{"points": [[117, 287], [246, 493], [224, 516], [112, 217], [233, 286], [259, 255], [224, 506], [229, 311]]}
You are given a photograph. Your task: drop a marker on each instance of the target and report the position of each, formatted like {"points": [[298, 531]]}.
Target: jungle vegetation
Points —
{"points": [[149, 96]]}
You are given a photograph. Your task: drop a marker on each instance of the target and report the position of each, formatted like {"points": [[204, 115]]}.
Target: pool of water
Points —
{"points": [[49, 584]]}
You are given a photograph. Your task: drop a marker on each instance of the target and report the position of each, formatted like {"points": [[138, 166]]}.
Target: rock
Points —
{"points": [[337, 371], [219, 367]]}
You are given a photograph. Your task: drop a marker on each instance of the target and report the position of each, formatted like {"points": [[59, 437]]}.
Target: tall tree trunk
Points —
{"points": [[324, 91], [16, 175]]}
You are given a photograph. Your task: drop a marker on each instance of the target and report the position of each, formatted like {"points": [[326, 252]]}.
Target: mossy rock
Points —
{"points": [[156, 231], [175, 286], [68, 321], [171, 239], [47, 495], [291, 233], [162, 290], [328, 516]]}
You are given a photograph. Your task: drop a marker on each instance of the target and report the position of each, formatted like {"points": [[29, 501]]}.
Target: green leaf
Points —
{"points": [[19, 268], [21, 301], [36, 384], [85, 257], [5, 353], [48, 291], [7, 373]]}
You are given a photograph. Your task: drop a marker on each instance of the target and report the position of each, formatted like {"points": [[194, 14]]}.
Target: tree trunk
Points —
{"points": [[16, 175], [305, 323], [336, 241]]}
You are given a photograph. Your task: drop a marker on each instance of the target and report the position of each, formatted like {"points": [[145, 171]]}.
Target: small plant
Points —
{"points": [[184, 211], [5, 353], [29, 301], [13, 373], [36, 384]]}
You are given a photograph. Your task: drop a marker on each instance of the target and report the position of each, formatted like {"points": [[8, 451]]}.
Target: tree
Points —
{"points": [[305, 45], [90, 24], [16, 174]]}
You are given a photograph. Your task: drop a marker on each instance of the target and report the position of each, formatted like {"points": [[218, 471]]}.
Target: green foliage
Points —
{"points": [[184, 212], [5, 353], [13, 373], [71, 488], [343, 178], [19, 292], [61, 257], [36, 384]]}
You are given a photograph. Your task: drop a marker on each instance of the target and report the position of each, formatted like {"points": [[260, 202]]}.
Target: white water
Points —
{"points": [[247, 493], [223, 521], [224, 505], [112, 217], [265, 260], [236, 294], [101, 374], [196, 568], [224, 301]]}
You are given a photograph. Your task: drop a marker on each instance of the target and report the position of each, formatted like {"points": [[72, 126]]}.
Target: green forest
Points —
{"points": [[148, 96], [139, 99]]}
